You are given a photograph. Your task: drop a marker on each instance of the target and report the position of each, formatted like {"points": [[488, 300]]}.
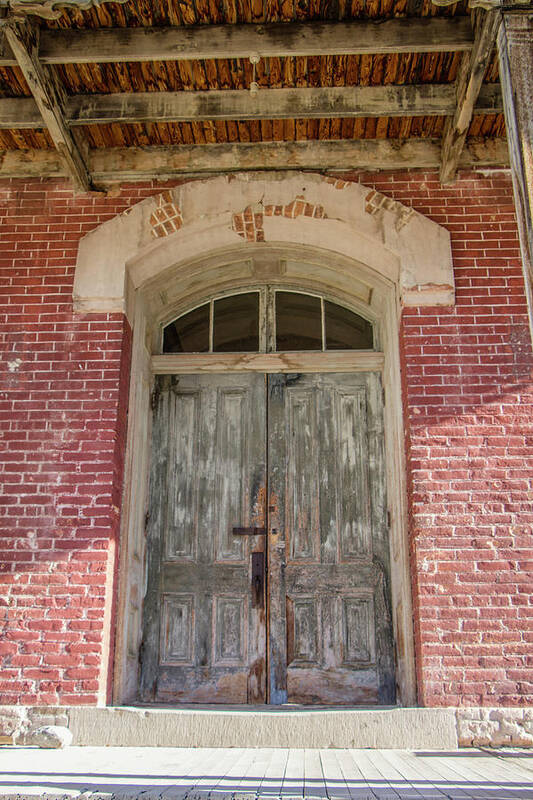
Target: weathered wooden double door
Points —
{"points": [[268, 556]]}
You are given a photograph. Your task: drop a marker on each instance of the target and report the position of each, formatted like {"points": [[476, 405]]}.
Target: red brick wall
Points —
{"points": [[468, 399], [64, 380], [467, 393]]}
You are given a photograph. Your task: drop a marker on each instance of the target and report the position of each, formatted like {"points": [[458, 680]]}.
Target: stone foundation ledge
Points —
{"points": [[494, 727], [18, 724], [233, 726]]}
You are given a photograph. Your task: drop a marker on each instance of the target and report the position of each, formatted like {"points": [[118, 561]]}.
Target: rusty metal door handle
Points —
{"points": [[258, 580]]}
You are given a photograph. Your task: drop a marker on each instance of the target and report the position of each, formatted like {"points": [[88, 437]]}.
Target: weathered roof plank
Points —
{"points": [[115, 45]]}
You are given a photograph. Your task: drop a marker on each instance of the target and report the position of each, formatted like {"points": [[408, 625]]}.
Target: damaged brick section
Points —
{"points": [[249, 224], [167, 217], [376, 202], [338, 183]]}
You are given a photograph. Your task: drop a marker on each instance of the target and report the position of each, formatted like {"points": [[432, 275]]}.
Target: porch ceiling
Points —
{"points": [[170, 82]]}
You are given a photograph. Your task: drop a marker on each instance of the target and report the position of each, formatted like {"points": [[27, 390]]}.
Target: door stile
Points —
{"points": [[155, 523], [277, 640], [257, 691], [381, 543], [266, 546]]}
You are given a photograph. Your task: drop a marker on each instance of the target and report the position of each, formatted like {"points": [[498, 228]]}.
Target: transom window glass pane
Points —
{"points": [[189, 333], [298, 322], [346, 330], [236, 324], [302, 322]]}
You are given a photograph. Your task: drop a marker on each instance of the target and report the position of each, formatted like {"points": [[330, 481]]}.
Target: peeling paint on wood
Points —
{"points": [[327, 617], [331, 635], [203, 641]]}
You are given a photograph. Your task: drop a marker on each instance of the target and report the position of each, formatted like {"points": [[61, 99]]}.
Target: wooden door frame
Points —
{"points": [[198, 363], [175, 290]]}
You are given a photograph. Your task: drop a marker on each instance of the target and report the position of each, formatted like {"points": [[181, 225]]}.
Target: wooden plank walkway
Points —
{"points": [[163, 773]]}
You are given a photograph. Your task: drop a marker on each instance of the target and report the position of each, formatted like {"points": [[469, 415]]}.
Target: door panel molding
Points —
{"points": [[177, 625]]}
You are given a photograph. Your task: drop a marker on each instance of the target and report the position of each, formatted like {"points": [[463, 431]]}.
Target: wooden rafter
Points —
{"points": [[123, 164], [328, 102], [425, 35], [51, 9], [23, 37], [468, 86]]}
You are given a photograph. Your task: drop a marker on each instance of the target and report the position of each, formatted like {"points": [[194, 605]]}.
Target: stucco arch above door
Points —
{"points": [[344, 218]]}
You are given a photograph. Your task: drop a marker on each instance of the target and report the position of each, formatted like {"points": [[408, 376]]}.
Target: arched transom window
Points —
{"points": [[268, 320]]}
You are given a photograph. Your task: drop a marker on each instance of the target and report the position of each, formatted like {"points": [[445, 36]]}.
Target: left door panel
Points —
{"points": [[204, 633]]}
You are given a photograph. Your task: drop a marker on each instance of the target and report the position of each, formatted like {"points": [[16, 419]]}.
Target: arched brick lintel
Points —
{"points": [[344, 218]]}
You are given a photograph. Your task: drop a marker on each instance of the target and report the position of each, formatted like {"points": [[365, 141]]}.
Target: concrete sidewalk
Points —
{"points": [[249, 773]]}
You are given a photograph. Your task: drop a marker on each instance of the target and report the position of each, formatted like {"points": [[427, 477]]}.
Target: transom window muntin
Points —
{"points": [[268, 319]]}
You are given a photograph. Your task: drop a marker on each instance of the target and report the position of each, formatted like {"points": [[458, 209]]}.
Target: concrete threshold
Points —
{"points": [[264, 726], [274, 726]]}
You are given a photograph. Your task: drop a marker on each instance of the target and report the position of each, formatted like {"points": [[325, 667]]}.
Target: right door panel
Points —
{"points": [[330, 621]]}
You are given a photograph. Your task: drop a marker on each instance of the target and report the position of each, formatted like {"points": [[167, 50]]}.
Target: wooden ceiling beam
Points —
{"points": [[468, 86], [129, 164], [427, 35], [304, 103], [49, 97], [329, 102]]}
